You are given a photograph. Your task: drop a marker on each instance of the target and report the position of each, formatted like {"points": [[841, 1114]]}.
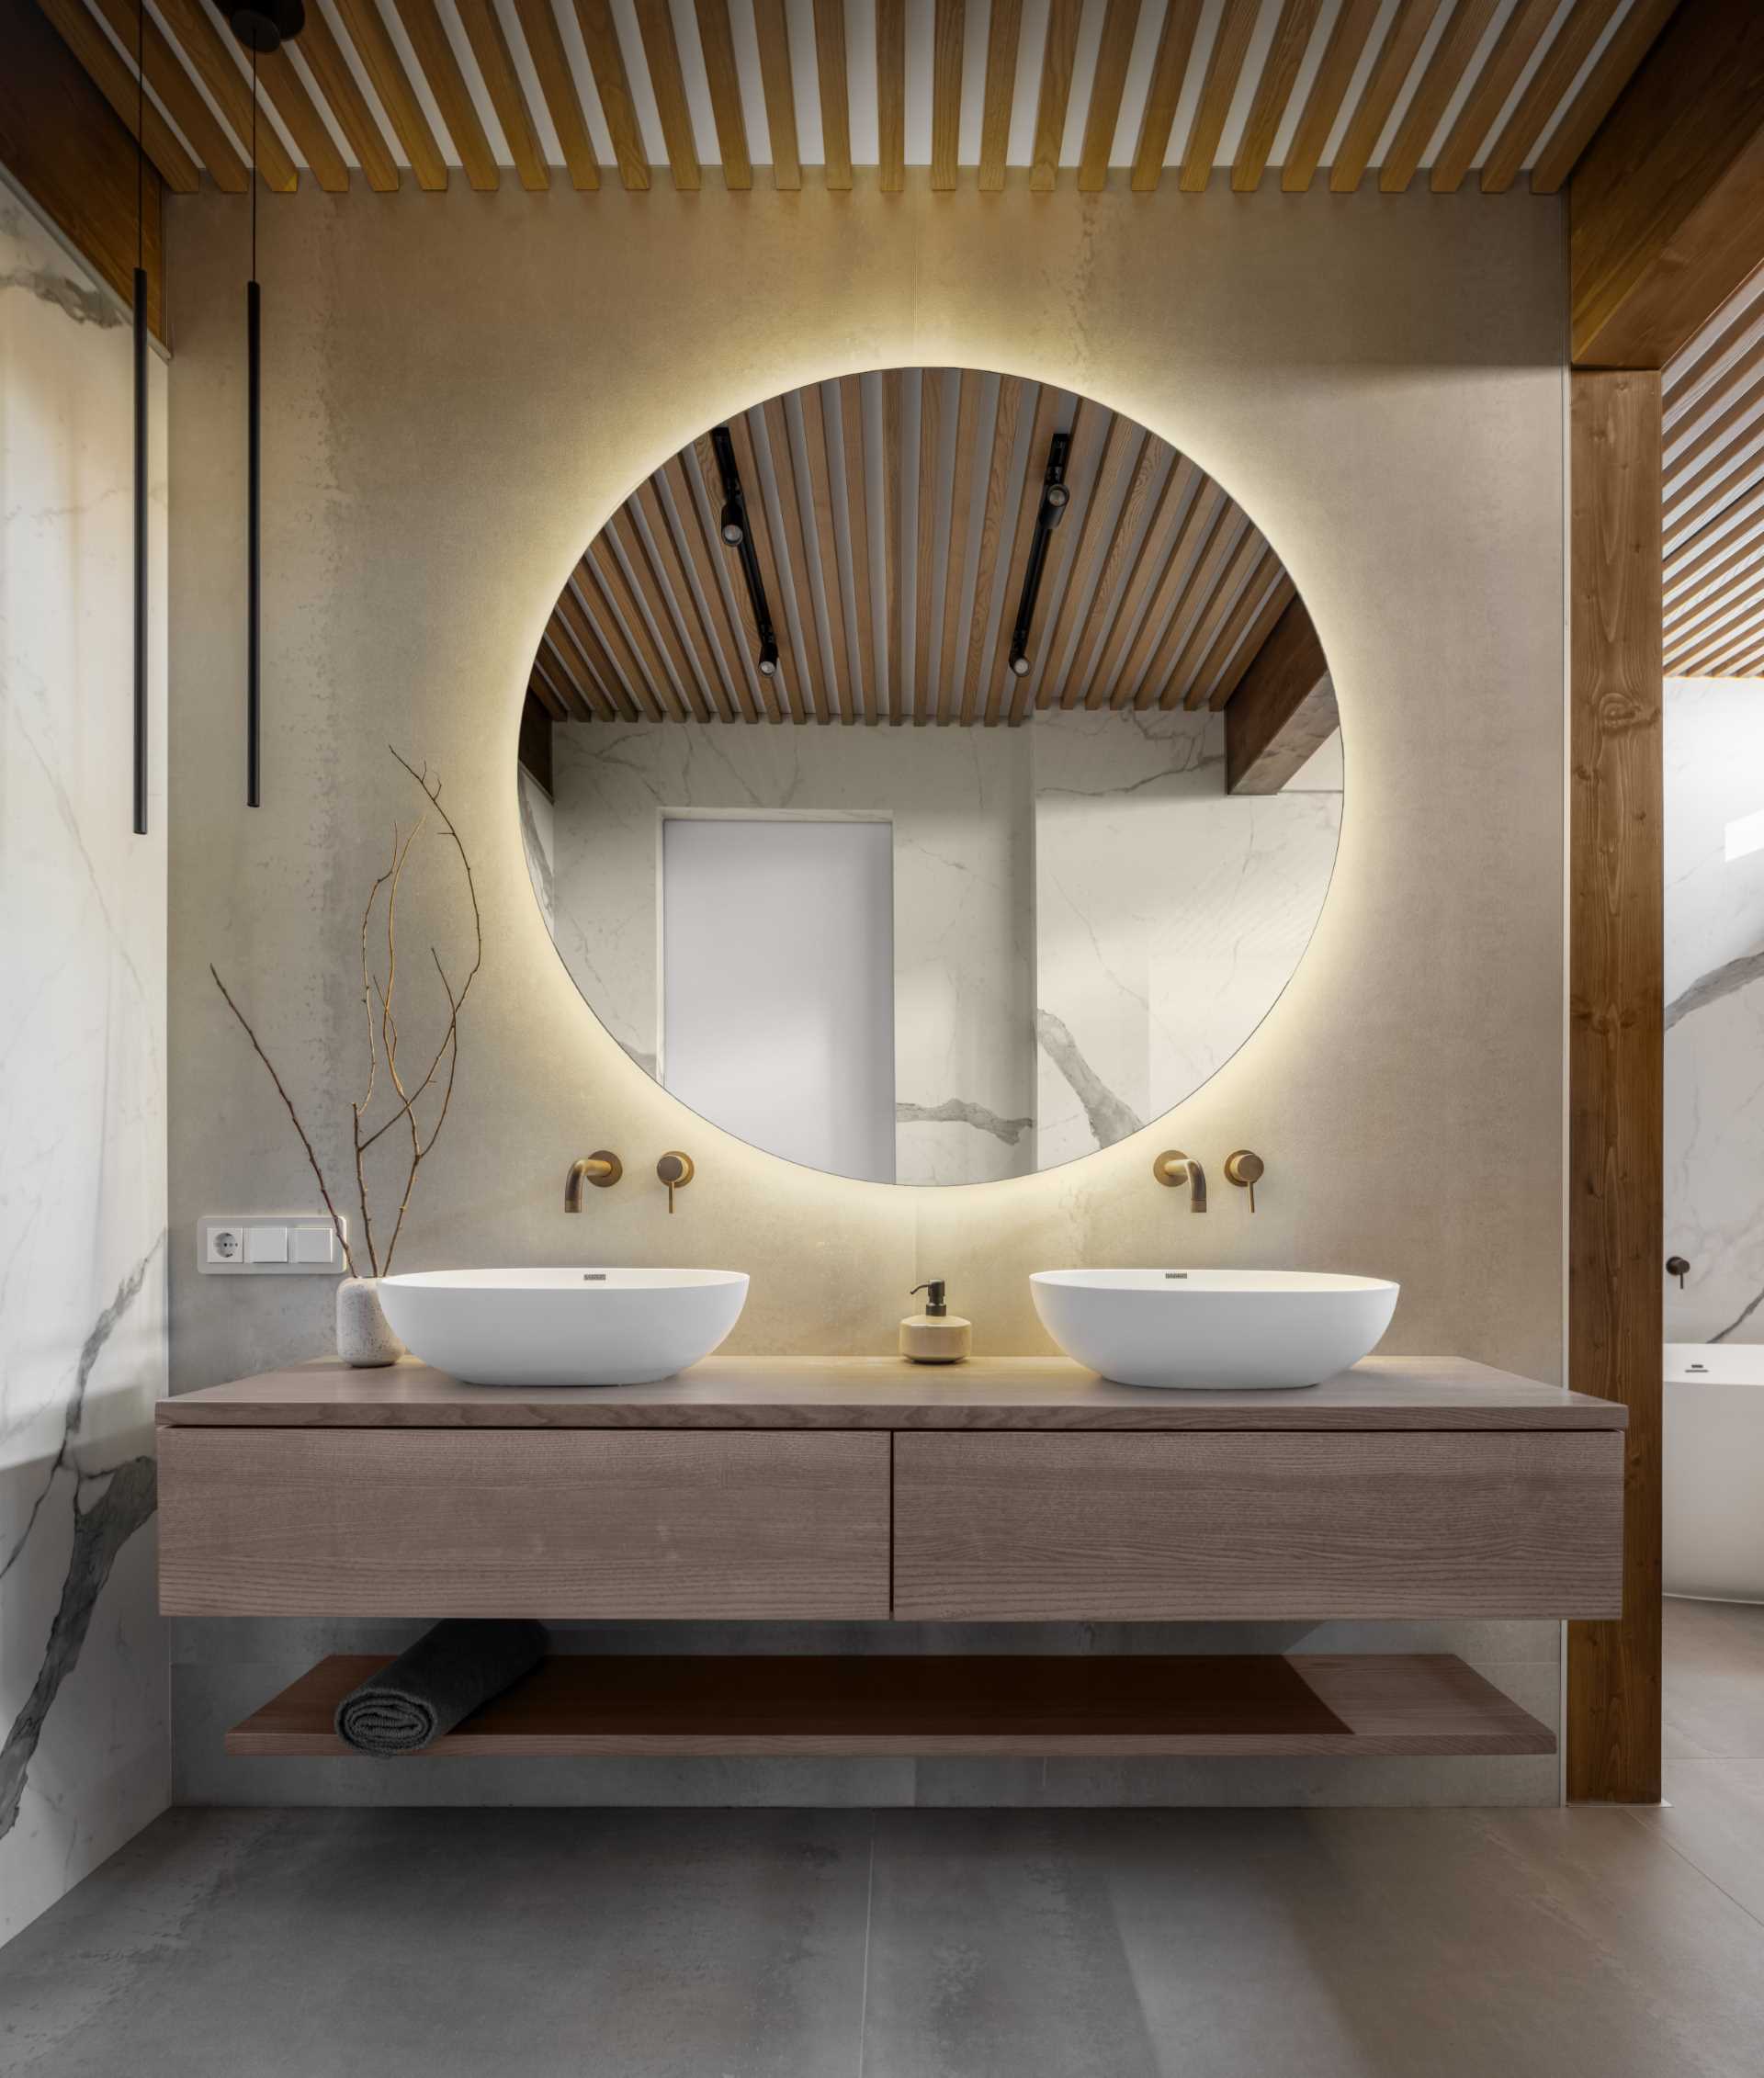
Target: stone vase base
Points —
{"points": [[364, 1338]]}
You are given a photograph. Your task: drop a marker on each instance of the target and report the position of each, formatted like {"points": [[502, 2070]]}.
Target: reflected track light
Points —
{"points": [[1055, 497], [735, 531]]}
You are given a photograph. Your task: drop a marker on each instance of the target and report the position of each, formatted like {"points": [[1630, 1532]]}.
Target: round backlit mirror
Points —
{"points": [[930, 776]]}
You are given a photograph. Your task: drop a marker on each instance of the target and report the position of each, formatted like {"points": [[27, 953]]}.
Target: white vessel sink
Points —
{"points": [[563, 1327], [1219, 1331]]}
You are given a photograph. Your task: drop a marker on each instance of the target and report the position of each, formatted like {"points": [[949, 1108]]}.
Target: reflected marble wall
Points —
{"points": [[83, 1709], [1168, 915], [1714, 1008]]}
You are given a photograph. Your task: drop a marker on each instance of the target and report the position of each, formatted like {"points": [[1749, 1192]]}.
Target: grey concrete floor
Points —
{"points": [[937, 1944]]}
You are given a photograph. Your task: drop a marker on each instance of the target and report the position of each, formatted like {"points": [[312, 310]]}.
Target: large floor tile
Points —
{"points": [[422, 1944], [1713, 1815]]}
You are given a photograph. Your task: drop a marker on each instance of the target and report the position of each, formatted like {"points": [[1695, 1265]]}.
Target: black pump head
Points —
{"points": [[935, 1304]]}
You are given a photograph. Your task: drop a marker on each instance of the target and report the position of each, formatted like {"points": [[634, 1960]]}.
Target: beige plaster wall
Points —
{"points": [[459, 389]]}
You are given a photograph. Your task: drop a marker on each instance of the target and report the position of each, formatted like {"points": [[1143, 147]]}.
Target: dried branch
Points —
{"points": [[337, 1224]]}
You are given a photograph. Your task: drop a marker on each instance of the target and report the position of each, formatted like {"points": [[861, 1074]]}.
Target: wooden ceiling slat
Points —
{"points": [[1002, 686], [1396, 61], [790, 673], [1439, 81], [116, 81], [1164, 93], [558, 84], [173, 87], [540, 686], [447, 84], [1556, 72], [392, 83], [1715, 364], [1236, 626], [1206, 509], [1092, 425], [949, 30], [773, 32], [1107, 83], [622, 699], [1273, 91], [1151, 561], [1059, 50], [341, 94], [612, 83], [1013, 393], [663, 601], [1631, 42], [893, 604], [836, 94], [817, 410], [891, 94], [1717, 656], [1743, 477], [931, 385], [1711, 562], [1203, 575], [855, 464], [1122, 446], [717, 39], [612, 612], [569, 673], [1002, 34], [968, 388], [1712, 615], [1107, 590], [1266, 621], [193, 27], [812, 663], [287, 91], [483, 30], [667, 82], [1739, 407], [1236, 25], [1520, 35], [1335, 74], [1187, 683], [1690, 491], [693, 540]]}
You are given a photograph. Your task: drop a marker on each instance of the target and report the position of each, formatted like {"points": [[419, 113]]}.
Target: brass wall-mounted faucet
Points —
{"points": [[1246, 1169], [1172, 1167], [676, 1171], [603, 1168]]}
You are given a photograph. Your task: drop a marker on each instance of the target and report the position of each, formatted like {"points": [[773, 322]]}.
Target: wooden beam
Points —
{"points": [[1666, 208], [1236, 25], [836, 94], [62, 143], [1012, 390], [893, 611], [774, 33], [1559, 68], [949, 28], [287, 95], [1268, 614], [1489, 93], [116, 82], [1335, 73], [1631, 42], [1439, 82], [558, 84], [483, 29], [447, 84], [1002, 34], [891, 96], [662, 56], [857, 533], [612, 83], [961, 521], [932, 382], [194, 28], [1395, 60], [1273, 90], [1616, 1045], [717, 39], [1150, 562], [1164, 93], [775, 421], [1107, 83], [1188, 682], [391, 82], [695, 543], [819, 420], [1059, 50], [169, 81], [330, 73], [1283, 708]]}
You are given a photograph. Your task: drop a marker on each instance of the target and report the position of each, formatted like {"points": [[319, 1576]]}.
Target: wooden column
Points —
{"points": [[1616, 1045]]}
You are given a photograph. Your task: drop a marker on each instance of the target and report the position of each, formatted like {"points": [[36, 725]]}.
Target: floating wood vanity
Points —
{"points": [[1012, 1490]]}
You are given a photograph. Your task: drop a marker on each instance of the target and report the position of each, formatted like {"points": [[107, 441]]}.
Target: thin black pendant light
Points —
{"points": [[262, 28], [140, 424]]}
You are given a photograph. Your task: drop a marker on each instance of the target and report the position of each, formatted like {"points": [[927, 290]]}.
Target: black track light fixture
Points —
{"points": [[735, 532], [1055, 497], [262, 27]]}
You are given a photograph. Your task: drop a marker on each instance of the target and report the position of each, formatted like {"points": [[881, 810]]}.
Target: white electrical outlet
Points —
{"points": [[269, 1244]]}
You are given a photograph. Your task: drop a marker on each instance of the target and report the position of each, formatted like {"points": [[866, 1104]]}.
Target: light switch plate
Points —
{"points": [[269, 1244]]}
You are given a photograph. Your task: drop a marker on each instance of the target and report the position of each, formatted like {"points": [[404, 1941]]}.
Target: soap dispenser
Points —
{"points": [[936, 1336]]}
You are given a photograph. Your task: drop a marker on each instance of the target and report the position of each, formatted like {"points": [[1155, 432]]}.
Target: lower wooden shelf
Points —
{"points": [[966, 1704]]}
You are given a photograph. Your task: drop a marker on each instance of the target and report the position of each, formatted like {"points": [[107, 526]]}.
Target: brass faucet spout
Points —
{"points": [[602, 1170], [1172, 1167]]}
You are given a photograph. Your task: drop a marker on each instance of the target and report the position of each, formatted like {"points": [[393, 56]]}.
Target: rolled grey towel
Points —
{"points": [[452, 1670]]}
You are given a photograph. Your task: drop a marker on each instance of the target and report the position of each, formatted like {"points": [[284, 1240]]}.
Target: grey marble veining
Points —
{"points": [[82, 1261]]}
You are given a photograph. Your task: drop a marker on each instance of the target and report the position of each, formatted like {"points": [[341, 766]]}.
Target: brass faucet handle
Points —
{"points": [[676, 1171], [1246, 1169], [603, 1168]]}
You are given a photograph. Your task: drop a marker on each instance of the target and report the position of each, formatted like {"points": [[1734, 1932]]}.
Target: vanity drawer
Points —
{"points": [[1234, 1526], [522, 1522]]}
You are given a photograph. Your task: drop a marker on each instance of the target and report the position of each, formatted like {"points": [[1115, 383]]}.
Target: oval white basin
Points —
{"points": [[1219, 1330], [563, 1327]]}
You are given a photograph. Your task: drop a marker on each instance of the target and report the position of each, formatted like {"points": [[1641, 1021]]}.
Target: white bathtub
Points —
{"points": [[1714, 1471]]}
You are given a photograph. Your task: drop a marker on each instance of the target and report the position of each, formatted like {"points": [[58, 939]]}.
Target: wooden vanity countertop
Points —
{"points": [[1004, 1393]]}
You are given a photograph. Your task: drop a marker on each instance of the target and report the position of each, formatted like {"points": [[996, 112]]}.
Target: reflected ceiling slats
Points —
{"points": [[1113, 91], [892, 517]]}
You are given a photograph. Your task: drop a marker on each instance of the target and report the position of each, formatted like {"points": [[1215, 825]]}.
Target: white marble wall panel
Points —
{"points": [[1168, 915], [1714, 1007], [538, 834], [82, 1711], [963, 887]]}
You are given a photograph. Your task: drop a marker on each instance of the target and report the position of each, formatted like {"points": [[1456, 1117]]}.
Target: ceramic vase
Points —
{"points": [[364, 1338]]}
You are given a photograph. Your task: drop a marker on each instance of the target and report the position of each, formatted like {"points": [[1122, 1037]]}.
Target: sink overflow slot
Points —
{"points": [[593, 1277], [1169, 1274]]}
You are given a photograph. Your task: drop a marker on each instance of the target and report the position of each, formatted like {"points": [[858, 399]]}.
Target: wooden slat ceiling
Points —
{"points": [[1714, 494], [892, 517], [756, 91]]}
